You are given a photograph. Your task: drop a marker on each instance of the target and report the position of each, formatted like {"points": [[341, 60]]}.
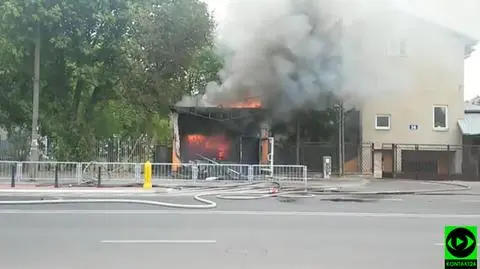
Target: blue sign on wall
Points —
{"points": [[413, 127]]}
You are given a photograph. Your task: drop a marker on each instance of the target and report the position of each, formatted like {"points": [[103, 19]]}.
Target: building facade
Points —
{"points": [[412, 77]]}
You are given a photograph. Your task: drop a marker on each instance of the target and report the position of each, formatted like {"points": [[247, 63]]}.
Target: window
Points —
{"points": [[440, 117], [397, 47], [382, 122]]}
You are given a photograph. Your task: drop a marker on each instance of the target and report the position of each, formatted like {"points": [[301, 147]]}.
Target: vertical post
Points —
{"points": [[14, 170], [297, 148], [194, 172], [19, 174], [417, 168], [449, 160], [372, 152], [250, 173], [147, 174], [99, 181], [343, 142], [305, 178], [79, 173], [36, 96], [341, 139], [138, 172], [271, 154], [394, 160], [56, 176], [359, 148], [264, 143]]}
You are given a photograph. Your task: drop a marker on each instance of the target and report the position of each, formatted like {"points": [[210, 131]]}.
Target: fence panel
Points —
{"points": [[281, 173], [73, 173], [431, 162], [110, 172], [366, 158], [170, 171], [6, 170], [223, 172], [45, 172]]}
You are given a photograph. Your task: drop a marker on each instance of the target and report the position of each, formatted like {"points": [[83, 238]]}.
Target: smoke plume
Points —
{"points": [[290, 54]]}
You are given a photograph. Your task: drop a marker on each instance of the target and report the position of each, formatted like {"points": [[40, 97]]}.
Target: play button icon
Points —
{"points": [[461, 242]]}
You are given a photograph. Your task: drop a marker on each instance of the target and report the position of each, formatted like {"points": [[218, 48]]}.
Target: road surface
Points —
{"points": [[394, 233]]}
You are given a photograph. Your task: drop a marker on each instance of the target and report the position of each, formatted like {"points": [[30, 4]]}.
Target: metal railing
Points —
{"points": [[128, 173]]}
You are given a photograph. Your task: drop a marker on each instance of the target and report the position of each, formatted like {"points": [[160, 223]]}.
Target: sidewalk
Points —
{"points": [[351, 184], [30, 189], [166, 187]]}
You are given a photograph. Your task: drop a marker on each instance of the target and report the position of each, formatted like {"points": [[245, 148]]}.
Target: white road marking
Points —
{"points": [[240, 213], [158, 241]]}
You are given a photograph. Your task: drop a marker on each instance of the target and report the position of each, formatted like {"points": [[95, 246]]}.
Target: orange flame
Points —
{"points": [[196, 139], [217, 144], [250, 103]]}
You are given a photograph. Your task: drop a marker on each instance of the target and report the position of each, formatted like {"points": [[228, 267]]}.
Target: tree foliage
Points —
{"points": [[108, 67]]}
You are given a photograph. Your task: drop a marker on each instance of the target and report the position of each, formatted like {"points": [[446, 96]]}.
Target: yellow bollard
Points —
{"points": [[147, 175]]}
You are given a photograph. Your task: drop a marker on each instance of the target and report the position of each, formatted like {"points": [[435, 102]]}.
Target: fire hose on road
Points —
{"points": [[238, 192], [255, 191]]}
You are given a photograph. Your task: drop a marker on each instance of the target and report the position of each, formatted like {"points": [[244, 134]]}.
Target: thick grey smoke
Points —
{"points": [[290, 54], [283, 52]]}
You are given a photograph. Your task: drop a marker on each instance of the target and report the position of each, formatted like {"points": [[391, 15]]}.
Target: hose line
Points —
{"points": [[244, 191], [230, 192]]}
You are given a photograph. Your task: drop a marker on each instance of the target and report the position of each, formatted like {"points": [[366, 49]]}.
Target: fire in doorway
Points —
{"points": [[215, 146], [233, 133]]}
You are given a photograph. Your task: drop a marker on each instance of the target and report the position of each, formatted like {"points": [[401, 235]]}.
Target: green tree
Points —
{"points": [[108, 67], [168, 36]]}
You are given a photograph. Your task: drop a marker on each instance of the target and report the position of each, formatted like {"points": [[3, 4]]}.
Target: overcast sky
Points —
{"points": [[460, 15]]}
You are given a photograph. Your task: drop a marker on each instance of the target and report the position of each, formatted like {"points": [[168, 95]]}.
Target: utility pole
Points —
{"points": [[341, 138], [342, 130], [34, 154]]}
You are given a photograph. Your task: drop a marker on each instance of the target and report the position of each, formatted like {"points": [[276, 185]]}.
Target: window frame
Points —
{"points": [[383, 127], [446, 118]]}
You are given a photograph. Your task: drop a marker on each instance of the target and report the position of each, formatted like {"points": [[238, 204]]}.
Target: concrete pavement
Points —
{"points": [[315, 233], [343, 184]]}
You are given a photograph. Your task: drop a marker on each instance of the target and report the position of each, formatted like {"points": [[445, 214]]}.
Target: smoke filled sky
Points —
{"points": [[460, 15]]}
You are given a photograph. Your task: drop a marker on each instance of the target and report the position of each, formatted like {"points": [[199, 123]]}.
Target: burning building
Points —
{"points": [[234, 133], [248, 133], [289, 58]]}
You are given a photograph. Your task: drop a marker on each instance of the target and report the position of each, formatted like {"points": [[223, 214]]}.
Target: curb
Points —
{"points": [[410, 192], [453, 191], [344, 184], [80, 191]]}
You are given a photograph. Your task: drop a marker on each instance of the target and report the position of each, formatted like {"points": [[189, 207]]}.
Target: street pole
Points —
{"points": [[34, 156], [341, 139]]}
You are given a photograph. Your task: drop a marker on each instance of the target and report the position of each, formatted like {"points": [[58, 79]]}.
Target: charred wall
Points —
{"points": [[220, 134]]}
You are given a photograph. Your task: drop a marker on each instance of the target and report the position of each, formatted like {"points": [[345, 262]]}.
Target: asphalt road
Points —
{"points": [[392, 232]]}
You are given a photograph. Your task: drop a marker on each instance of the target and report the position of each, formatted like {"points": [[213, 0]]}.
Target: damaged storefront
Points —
{"points": [[233, 135]]}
